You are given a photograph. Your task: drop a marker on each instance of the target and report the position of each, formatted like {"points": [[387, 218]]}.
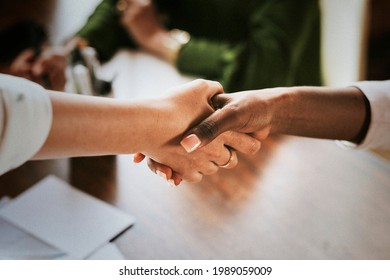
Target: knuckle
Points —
{"points": [[233, 113], [219, 87], [201, 82], [254, 147], [194, 178]]}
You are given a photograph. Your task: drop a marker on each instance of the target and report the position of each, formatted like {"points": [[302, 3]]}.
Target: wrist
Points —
{"points": [[155, 125], [279, 109]]}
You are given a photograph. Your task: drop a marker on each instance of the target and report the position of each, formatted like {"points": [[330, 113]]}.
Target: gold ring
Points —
{"points": [[226, 165]]}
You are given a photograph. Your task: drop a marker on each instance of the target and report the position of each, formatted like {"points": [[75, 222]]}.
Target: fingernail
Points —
{"points": [[190, 143], [178, 182], [161, 174], [171, 183]]}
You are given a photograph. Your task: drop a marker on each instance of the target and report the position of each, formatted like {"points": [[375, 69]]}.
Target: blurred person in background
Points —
{"points": [[24, 52], [244, 45]]}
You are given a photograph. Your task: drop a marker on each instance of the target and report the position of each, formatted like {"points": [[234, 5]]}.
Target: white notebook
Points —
{"points": [[68, 220]]}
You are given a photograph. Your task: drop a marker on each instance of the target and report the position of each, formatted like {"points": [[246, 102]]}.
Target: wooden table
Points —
{"points": [[297, 199]]}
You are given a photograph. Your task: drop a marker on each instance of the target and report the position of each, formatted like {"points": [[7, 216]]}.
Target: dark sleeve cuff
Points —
{"points": [[104, 32], [205, 58]]}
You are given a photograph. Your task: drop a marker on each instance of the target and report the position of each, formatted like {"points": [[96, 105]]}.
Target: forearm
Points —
{"points": [[87, 126], [321, 113]]}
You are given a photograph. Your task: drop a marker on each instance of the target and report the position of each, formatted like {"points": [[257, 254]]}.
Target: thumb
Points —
{"points": [[220, 121], [39, 66]]}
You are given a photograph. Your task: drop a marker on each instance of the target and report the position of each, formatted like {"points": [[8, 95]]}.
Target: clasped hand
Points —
{"points": [[191, 104], [47, 68]]}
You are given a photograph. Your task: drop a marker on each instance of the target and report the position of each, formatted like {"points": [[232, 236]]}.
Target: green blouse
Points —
{"points": [[244, 44]]}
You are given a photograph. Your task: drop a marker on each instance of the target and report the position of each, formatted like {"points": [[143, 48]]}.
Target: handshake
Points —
{"points": [[197, 129], [204, 127], [202, 132]]}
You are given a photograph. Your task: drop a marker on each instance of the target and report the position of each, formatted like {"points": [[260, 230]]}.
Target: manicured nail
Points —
{"points": [[171, 183], [190, 143], [161, 174]]}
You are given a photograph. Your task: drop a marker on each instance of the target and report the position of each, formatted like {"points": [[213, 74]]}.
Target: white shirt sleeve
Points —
{"points": [[25, 120], [378, 94]]}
